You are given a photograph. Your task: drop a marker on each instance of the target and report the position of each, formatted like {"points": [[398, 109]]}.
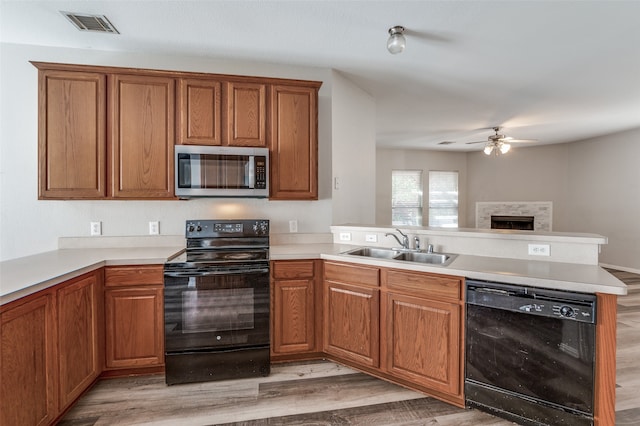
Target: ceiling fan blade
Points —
{"points": [[521, 140]]}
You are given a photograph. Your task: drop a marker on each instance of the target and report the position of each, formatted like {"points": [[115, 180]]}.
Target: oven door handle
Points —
{"points": [[178, 274]]}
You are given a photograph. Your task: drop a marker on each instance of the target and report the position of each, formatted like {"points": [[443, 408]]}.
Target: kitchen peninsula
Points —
{"points": [[328, 271]]}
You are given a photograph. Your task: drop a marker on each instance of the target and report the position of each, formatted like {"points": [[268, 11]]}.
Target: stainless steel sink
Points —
{"points": [[430, 258], [380, 253], [441, 259]]}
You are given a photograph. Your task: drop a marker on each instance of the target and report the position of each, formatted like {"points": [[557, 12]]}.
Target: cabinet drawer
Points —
{"points": [[423, 284], [351, 273], [288, 269], [118, 276]]}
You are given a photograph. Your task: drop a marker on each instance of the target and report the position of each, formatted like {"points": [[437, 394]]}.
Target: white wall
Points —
{"points": [[29, 226], [354, 153], [604, 194], [594, 186], [524, 174], [398, 159]]}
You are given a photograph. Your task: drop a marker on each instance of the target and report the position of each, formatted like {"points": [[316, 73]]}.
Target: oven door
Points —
{"points": [[216, 308]]}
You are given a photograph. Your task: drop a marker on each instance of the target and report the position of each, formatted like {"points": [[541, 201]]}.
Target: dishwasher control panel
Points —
{"points": [[532, 300]]}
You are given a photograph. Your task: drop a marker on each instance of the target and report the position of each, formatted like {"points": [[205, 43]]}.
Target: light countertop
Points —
{"points": [[26, 275], [553, 275]]}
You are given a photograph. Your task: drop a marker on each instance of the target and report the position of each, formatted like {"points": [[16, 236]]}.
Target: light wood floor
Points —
{"points": [[324, 393]]}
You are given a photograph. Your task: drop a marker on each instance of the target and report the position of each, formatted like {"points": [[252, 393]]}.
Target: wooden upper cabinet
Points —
{"points": [[294, 143], [142, 136], [71, 135], [246, 114], [109, 133], [199, 109]]}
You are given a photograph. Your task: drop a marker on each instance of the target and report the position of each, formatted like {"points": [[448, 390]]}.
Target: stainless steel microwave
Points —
{"points": [[221, 171]]}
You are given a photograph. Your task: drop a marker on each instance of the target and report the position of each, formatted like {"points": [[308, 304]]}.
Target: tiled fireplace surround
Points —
{"points": [[542, 212]]}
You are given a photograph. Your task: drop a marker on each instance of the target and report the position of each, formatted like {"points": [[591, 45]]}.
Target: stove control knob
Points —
{"points": [[263, 227], [190, 228], [198, 228], [567, 311]]}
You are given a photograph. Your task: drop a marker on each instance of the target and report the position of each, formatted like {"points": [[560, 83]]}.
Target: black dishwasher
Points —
{"points": [[530, 353]]}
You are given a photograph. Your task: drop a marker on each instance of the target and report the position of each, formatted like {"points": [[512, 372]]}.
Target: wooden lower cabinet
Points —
{"points": [[351, 313], [400, 325], [422, 331], [422, 341], [51, 350], [28, 357], [296, 307], [80, 338], [134, 317]]}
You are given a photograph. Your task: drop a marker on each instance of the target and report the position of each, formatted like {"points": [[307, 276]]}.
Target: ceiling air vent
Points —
{"points": [[445, 143], [95, 23]]}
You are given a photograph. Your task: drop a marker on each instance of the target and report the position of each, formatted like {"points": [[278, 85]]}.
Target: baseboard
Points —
{"points": [[620, 268]]}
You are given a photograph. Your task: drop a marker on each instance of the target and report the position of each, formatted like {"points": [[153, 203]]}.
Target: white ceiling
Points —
{"points": [[556, 71]]}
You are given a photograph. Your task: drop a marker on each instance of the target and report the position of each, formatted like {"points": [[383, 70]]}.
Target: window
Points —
{"points": [[406, 197], [443, 199]]}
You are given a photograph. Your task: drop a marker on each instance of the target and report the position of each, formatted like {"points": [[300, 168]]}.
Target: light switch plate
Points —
{"points": [[371, 238]]}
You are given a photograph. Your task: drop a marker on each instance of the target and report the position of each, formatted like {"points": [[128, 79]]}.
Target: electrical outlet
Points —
{"points": [[345, 236], [539, 250], [371, 238], [336, 183], [96, 228], [293, 225], [154, 228]]}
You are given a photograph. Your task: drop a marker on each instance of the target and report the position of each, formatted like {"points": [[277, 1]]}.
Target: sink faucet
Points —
{"points": [[405, 240]]}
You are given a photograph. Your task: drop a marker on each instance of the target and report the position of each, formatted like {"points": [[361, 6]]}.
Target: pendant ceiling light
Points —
{"points": [[396, 42]]}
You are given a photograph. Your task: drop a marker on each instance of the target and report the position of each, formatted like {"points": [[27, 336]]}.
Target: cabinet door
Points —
{"points": [[294, 310], [142, 136], [28, 363], [423, 342], [294, 143], [71, 135], [246, 114], [351, 323], [79, 341], [134, 327], [199, 112]]}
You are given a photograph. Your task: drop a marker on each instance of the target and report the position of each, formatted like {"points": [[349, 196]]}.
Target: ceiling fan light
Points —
{"points": [[488, 149], [396, 42], [504, 148]]}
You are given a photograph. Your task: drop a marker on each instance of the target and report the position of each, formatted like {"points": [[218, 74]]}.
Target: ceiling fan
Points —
{"points": [[499, 144]]}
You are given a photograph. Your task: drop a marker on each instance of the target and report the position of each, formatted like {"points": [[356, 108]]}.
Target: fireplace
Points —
{"points": [[523, 223], [540, 211]]}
